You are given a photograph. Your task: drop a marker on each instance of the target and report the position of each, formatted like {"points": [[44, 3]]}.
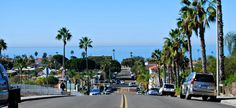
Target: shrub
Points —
{"points": [[230, 79]]}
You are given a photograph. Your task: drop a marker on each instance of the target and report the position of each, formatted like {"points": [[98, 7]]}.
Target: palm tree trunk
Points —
{"points": [[190, 54], [0, 53], [159, 75], [174, 68], [63, 59], [177, 73], [164, 69], [203, 47], [220, 35], [86, 59]]}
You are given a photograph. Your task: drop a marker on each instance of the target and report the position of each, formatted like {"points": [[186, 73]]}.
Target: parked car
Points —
{"points": [[153, 91], [95, 92], [198, 85], [122, 82], [167, 89], [9, 96], [108, 91], [132, 84], [139, 93]]}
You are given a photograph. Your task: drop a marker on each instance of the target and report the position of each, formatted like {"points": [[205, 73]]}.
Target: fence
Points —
{"points": [[27, 90]]}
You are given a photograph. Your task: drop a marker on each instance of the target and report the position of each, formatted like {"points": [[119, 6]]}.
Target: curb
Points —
{"points": [[228, 102], [39, 98]]}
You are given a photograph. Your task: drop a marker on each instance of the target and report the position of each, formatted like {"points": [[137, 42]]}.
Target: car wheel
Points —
{"points": [[172, 95], [181, 95], [188, 96], [204, 98], [213, 98], [13, 104]]}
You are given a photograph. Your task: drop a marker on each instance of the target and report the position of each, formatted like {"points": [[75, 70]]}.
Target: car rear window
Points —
{"points": [[155, 89], [169, 86], [204, 78]]}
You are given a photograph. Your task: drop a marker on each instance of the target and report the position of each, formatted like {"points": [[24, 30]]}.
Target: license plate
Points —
{"points": [[204, 86]]}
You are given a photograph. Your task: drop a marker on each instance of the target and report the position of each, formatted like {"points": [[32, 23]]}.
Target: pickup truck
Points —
{"points": [[9, 96]]}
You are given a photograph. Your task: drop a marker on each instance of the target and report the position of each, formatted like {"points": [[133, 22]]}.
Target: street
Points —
{"points": [[115, 101]]}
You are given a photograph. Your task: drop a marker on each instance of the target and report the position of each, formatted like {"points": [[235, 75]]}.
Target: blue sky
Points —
{"points": [[34, 23]]}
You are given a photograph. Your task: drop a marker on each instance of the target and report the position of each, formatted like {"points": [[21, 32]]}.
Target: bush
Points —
{"points": [[231, 78]]}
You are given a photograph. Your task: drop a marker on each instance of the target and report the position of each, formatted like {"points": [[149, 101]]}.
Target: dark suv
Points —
{"points": [[8, 95], [199, 85]]}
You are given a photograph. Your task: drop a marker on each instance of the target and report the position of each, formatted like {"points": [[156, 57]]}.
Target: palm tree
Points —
{"points": [[187, 25], [85, 43], [230, 41], [113, 51], [131, 54], [83, 54], [157, 56], [36, 54], [72, 52], [3, 46], [220, 36], [204, 13], [64, 35], [20, 62]]}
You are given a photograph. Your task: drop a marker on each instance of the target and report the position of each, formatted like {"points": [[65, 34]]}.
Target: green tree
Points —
{"points": [[64, 35], [143, 78], [85, 43], [20, 62], [3, 46]]}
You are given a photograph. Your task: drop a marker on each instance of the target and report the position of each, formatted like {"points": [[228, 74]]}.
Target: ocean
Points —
{"points": [[121, 52]]}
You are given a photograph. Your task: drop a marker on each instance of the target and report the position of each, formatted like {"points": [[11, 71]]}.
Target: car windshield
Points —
{"points": [[204, 78], [169, 86]]}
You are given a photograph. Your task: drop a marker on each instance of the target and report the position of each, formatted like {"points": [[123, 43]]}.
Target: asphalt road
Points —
{"points": [[75, 102], [137, 101], [133, 101]]}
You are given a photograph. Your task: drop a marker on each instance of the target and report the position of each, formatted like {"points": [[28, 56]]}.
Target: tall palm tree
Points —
{"points": [[187, 25], [64, 35], [113, 51], [220, 36], [157, 56], [3, 46], [203, 13], [131, 54], [167, 57], [72, 52], [230, 41], [85, 43], [36, 54]]}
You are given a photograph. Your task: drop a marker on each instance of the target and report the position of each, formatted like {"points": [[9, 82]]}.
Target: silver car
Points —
{"points": [[198, 85]]}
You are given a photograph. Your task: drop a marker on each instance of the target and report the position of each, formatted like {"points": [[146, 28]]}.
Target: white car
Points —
{"points": [[132, 84], [153, 91], [167, 89]]}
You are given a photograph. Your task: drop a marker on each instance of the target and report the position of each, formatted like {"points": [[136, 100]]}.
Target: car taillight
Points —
{"points": [[192, 82]]}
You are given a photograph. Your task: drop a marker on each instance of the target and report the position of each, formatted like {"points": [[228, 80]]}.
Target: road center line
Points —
{"points": [[122, 101], [126, 102]]}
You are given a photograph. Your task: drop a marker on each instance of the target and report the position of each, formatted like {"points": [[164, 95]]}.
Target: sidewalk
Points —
{"points": [[28, 98], [227, 100]]}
